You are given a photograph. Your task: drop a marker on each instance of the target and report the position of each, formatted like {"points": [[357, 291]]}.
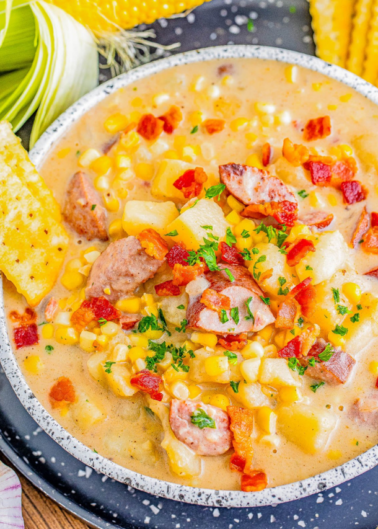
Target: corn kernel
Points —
{"points": [[253, 350], [66, 335], [33, 364], [336, 339], [194, 391], [122, 161], [238, 124], [74, 265], [206, 398], [266, 333], [159, 99], [332, 199], [102, 165], [144, 171], [265, 108], [216, 365], [205, 339], [110, 328], [233, 218], [115, 228], [317, 86], [190, 153], [135, 353], [291, 74], [130, 305], [332, 107], [151, 310], [171, 375], [137, 102], [171, 155], [153, 335], [251, 138], [63, 153], [148, 299], [266, 419], [314, 199], [245, 225], [254, 161], [90, 257], [101, 183], [130, 141], [279, 339], [88, 157], [85, 270], [213, 91], [138, 340], [249, 369], [227, 80], [373, 367], [198, 84], [283, 118], [87, 340], [242, 244], [345, 98], [111, 202], [289, 394], [47, 331], [352, 292], [102, 340], [296, 231], [220, 401], [196, 118], [235, 204], [107, 291], [179, 390], [72, 280], [334, 454], [115, 123]]}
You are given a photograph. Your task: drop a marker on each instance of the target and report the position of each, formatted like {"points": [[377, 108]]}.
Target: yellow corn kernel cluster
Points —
{"points": [[352, 292], [205, 339], [254, 349], [266, 419], [115, 123], [235, 204], [216, 365], [33, 364], [219, 400]]}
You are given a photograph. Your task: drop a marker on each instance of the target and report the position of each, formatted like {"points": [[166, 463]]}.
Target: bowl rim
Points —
{"points": [[185, 493]]}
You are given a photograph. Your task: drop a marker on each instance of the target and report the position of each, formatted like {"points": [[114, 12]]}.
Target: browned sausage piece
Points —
{"points": [[335, 371], [122, 267], [239, 291], [205, 441], [318, 219], [251, 185], [365, 410], [83, 209], [128, 321]]}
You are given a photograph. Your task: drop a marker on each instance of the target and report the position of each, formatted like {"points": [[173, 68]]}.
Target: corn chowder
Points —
{"points": [[214, 322]]}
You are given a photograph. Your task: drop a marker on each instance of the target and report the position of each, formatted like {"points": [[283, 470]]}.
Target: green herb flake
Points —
{"points": [[300, 321], [261, 259], [201, 419], [308, 267], [311, 361], [341, 309], [265, 300], [214, 191], [355, 318], [232, 357], [250, 25], [49, 348], [235, 314], [292, 9], [255, 251], [223, 316], [336, 295], [339, 329], [206, 227], [230, 237], [235, 386], [93, 207], [42, 323], [315, 387], [294, 365], [173, 233], [108, 366], [182, 327], [246, 254], [327, 353], [181, 307], [245, 234], [149, 411], [102, 321], [250, 316], [359, 307], [302, 193], [230, 276], [194, 129]]}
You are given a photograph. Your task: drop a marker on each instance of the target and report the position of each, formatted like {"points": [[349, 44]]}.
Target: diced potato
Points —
{"points": [[362, 332], [198, 371], [276, 262], [188, 225], [251, 395], [306, 426], [169, 306], [143, 452], [276, 372], [331, 255], [85, 413], [140, 215], [366, 149], [294, 176], [249, 369], [169, 171], [118, 381], [95, 367]]}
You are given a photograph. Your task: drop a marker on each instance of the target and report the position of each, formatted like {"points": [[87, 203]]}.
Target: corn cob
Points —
{"points": [[358, 43], [370, 72]]}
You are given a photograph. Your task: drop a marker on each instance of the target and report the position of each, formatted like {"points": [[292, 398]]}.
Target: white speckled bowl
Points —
{"points": [[215, 498]]}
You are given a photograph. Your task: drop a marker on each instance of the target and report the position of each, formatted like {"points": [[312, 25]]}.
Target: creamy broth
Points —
{"points": [[274, 109]]}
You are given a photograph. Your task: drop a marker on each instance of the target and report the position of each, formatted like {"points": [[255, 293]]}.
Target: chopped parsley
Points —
{"points": [[245, 234], [230, 276], [223, 316], [355, 318], [235, 386], [250, 315], [339, 329], [230, 237], [49, 348], [315, 387], [302, 193], [235, 314], [311, 361], [201, 419], [268, 230], [194, 129], [93, 207], [214, 191], [359, 307], [265, 300], [327, 353], [300, 321], [246, 254], [182, 327], [292, 9], [207, 251], [232, 357], [173, 233], [281, 291], [42, 323], [149, 411], [336, 295], [261, 259], [255, 251], [341, 309], [193, 258], [308, 267], [153, 323], [160, 349], [294, 365], [102, 321], [181, 307], [108, 366], [206, 227], [213, 237]]}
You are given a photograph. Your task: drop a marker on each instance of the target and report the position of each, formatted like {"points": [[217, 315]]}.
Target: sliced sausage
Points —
{"points": [[122, 267], [336, 370], [318, 219], [83, 209], [239, 292], [205, 441], [251, 185], [365, 410]]}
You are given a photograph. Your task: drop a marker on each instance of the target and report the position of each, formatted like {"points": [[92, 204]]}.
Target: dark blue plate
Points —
{"points": [[105, 503]]}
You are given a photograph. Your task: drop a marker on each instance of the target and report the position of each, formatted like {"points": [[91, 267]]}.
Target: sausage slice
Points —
{"points": [[365, 410], [122, 267], [239, 292], [336, 370], [205, 441], [83, 209]]}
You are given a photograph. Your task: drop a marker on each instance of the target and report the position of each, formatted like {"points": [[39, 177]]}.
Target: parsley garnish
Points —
{"points": [[194, 129], [261, 259], [182, 327], [207, 227], [108, 366], [355, 318], [315, 387], [255, 251], [193, 258], [339, 329], [327, 353], [246, 254], [341, 309], [214, 191], [311, 361], [294, 365], [102, 321], [285, 291], [93, 207], [265, 300], [232, 357], [223, 316], [235, 386], [359, 307], [250, 315], [300, 321], [181, 307], [245, 234], [207, 251], [292, 9], [172, 233], [151, 322], [49, 348], [230, 237], [230, 276], [42, 323], [201, 419], [302, 193], [336, 295], [178, 355], [308, 267], [235, 314]]}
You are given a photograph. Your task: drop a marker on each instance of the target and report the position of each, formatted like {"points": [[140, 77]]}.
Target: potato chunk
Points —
{"points": [[198, 372], [139, 215], [95, 365], [361, 332], [86, 413], [118, 380], [169, 171], [306, 426], [276, 372], [251, 395], [189, 224], [331, 255]]}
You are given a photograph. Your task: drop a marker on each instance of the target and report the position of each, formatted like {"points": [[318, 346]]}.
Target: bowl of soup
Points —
{"points": [[211, 335]]}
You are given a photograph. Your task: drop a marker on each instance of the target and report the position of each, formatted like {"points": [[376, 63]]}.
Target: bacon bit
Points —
{"points": [[51, 309], [343, 171], [213, 126], [182, 275], [266, 154], [361, 228], [177, 255], [241, 425], [150, 127], [295, 154], [318, 219], [318, 128], [298, 288], [93, 309], [148, 383], [374, 219], [233, 342], [26, 335], [370, 244], [128, 321], [230, 254], [353, 191], [171, 119], [298, 251], [62, 393], [237, 463], [284, 212], [29, 316], [191, 182], [287, 312], [372, 273], [213, 300], [167, 289], [320, 172], [154, 245], [255, 483], [308, 339], [266, 275], [306, 299], [225, 69], [291, 349]]}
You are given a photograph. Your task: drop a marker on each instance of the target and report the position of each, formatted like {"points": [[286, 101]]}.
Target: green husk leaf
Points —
{"points": [[17, 40]]}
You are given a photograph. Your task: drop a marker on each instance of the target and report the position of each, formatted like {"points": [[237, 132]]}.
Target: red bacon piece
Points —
{"points": [[230, 254], [361, 228], [150, 127], [233, 342], [167, 289], [370, 244], [343, 171], [296, 252], [29, 316], [213, 126], [177, 255], [286, 314], [353, 191], [318, 219], [93, 309], [241, 426], [26, 335], [291, 349], [317, 128], [182, 275], [62, 392], [51, 309], [374, 219], [266, 154], [191, 182], [307, 300], [372, 273], [320, 173], [153, 243], [258, 481], [148, 383], [237, 462], [214, 300], [298, 288], [284, 212], [171, 119]]}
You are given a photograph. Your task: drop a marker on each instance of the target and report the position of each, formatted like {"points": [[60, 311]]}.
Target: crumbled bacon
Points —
{"points": [[212, 126], [233, 342], [29, 316], [317, 128], [237, 463], [182, 275], [259, 481], [171, 119], [298, 288], [307, 300], [286, 314], [150, 127], [225, 69], [295, 154], [353, 191], [191, 182], [372, 273], [154, 245], [148, 383], [320, 172], [167, 289], [343, 171], [26, 335], [291, 349], [128, 321], [230, 254], [308, 338], [51, 309], [370, 244], [298, 251], [266, 154], [214, 300], [91, 310], [62, 393], [284, 212], [374, 219], [361, 228], [241, 425], [177, 255], [317, 219]]}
